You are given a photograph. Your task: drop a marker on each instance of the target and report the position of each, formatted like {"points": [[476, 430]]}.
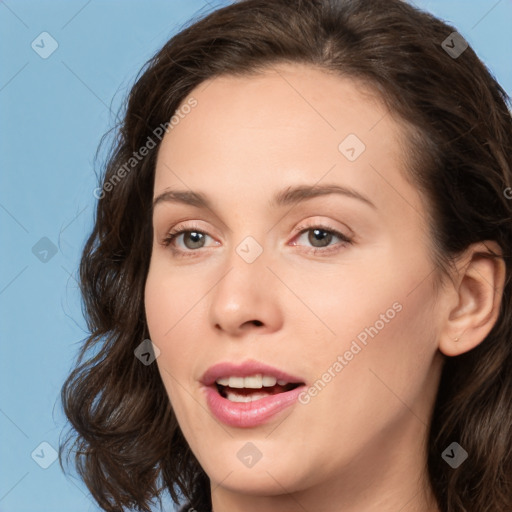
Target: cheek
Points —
{"points": [[171, 297], [391, 347], [169, 306], [383, 317], [172, 307], [377, 369]]}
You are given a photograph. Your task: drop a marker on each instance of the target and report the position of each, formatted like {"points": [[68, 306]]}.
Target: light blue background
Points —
{"points": [[54, 112]]}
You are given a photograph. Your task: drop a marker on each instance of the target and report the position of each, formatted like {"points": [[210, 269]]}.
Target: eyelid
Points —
{"points": [[325, 225], [182, 227], [327, 250]]}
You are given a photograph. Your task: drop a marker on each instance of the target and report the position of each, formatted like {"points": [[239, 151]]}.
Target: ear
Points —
{"points": [[475, 298]]}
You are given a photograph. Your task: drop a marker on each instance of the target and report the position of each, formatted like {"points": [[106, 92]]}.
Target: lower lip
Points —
{"points": [[249, 414]]}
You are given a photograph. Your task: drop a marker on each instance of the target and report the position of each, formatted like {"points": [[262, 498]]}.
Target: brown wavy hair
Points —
{"points": [[124, 438]]}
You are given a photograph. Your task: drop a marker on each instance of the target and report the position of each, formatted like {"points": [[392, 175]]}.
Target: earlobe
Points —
{"points": [[478, 291]]}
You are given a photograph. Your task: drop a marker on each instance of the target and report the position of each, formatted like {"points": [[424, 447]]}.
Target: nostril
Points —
{"points": [[257, 323]]}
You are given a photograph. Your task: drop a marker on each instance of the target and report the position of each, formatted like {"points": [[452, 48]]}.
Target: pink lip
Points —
{"points": [[244, 370], [247, 414]]}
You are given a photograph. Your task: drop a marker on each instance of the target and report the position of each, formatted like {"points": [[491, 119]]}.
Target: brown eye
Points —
{"points": [[186, 240], [319, 237], [193, 239], [321, 240]]}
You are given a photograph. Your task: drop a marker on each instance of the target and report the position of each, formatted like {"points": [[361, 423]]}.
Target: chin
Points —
{"points": [[262, 481], [267, 473]]}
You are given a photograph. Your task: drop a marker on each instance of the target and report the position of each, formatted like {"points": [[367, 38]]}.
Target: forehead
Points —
{"points": [[291, 123]]}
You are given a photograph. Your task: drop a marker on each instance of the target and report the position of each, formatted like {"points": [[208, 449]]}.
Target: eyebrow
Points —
{"points": [[184, 197], [288, 196], [292, 195]]}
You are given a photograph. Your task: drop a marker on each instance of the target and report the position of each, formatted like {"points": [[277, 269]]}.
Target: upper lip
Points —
{"points": [[245, 369]]}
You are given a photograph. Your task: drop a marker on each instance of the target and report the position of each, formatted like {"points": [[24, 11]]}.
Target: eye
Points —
{"points": [[320, 237], [196, 239], [187, 239]]}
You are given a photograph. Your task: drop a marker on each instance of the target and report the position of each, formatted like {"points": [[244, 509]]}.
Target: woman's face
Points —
{"points": [[307, 253]]}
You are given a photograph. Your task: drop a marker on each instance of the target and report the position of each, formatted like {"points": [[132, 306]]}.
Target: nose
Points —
{"points": [[246, 298]]}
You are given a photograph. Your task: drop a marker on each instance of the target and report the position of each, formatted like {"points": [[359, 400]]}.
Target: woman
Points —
{"points": [[298, 283]]}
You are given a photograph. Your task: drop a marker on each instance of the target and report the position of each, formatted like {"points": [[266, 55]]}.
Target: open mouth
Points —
{"points": [[249, 394], [249, 389]]}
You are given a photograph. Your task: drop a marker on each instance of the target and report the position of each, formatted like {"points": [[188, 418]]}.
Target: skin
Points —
{"points": [[359, 444]]}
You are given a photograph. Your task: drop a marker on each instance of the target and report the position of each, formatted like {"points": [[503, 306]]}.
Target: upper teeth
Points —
{"points": [[253, 381]]}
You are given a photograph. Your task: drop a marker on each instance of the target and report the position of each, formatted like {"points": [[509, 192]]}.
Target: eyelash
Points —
{"points": [[175, 233]]}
